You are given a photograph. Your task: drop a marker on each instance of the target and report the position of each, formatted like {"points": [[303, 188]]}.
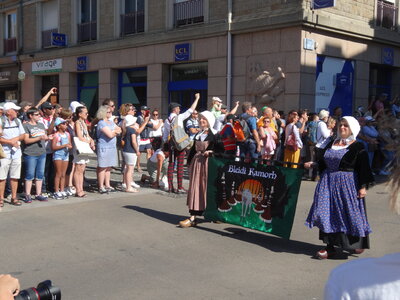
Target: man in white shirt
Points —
{"points": [[175, 155], [13, 134]]}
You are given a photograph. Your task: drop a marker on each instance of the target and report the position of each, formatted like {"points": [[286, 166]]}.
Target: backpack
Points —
{"points": [[3, 120], [242, 130], [312, 131], [178, 137]]}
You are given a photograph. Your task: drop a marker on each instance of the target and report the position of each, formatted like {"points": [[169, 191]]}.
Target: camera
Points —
{"points": [[44, 291]]}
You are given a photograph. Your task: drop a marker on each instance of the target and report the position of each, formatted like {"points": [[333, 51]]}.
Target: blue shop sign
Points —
{"points": [[81, 63], [317, 4], [388, 56], [182, 52], [58, 39]]}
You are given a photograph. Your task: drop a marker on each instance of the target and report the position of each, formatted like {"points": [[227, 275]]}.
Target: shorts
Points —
{"points": [[10, 165], [61, 155], [129, 158], [80, 159], [143, 148]]}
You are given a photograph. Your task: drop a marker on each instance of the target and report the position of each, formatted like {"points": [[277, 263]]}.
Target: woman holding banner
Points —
{"points": [[202, 148], [338, 209]]}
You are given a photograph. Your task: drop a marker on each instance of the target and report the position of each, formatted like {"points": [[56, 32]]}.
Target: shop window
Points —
{"points": [[87, 29], [187, 12], [132, 17], [380, 80], [88, 87], [10, 35], [132, 86], [49, 82], [186, 80], [387, 14], [49, 21]]}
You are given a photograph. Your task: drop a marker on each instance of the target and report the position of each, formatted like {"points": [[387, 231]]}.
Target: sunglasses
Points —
{"points": [[36, 114], [109, 112], [155, 114], [50, 108]]}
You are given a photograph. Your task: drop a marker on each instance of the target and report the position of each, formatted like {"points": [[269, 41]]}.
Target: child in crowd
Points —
{"points": [[61, 144]]}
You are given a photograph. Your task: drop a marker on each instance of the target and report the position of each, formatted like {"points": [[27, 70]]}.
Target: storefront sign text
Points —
{"points": [[47, 66], [182, 52]]}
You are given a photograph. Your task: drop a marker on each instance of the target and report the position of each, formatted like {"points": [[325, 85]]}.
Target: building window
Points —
{"points": [[132, 17], [132, 86], [387, 14], [87, 29], [188, 12], [49, 21], [88, 86], [10, 40], [186, 80]]}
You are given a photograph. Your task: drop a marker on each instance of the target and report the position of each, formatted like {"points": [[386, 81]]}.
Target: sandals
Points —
{"points": [[16, 202], [81, 195], [131, 190], [1, 203]]}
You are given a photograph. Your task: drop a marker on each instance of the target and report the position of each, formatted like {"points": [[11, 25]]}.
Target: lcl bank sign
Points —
{"points": [[182, 52]]}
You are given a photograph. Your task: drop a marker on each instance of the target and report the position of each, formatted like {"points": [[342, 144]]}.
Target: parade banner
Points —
{"points": [[255, 196]]}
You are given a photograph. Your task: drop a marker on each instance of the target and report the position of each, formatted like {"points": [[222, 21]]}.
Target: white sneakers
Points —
{"points": [[133, 184]]}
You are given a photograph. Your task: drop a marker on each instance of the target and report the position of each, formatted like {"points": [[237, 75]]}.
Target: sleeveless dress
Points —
{"points": [[336, 208]]}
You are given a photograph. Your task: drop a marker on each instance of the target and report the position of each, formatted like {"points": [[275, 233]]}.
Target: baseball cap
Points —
{"points": [[59, 121], [231, 117], [46, 105], [223, 106], [144, 107], [216, 99], [10, 105]]}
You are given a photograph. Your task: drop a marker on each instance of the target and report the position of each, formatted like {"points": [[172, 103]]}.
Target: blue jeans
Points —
{"points": [[34, 167], [250, 148]]}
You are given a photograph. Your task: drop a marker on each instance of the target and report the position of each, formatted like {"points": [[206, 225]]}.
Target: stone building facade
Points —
{"points": [[283, 53]]}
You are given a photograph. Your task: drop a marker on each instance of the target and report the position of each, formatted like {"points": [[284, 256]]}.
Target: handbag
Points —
{"points": [[83, 148], [291, 143]]}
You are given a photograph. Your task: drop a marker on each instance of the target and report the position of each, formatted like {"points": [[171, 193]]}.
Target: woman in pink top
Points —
{"points": [[269, 137]]}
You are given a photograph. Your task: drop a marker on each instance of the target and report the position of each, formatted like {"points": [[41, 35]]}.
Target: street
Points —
{"points": [[127, 246]]}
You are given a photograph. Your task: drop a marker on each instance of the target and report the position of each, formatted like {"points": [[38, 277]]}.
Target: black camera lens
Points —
{"points": [[44, 291]]}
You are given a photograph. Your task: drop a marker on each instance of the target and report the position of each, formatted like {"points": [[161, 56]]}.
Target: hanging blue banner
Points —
{"points": [[58, 39], [317, 4], [182, 52], [81, 63]]}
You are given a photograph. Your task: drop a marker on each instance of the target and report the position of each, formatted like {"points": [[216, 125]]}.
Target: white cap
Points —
{"points": [[354, 126], [10, 105], [216, 99], [74, 105], [130, 120]]}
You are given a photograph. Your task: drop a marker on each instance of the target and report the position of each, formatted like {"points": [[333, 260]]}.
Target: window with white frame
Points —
{"points": [[132, 17], [87, 28], [50, 18], [10, 34]]}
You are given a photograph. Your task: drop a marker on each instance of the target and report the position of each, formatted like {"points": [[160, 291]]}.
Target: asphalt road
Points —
{"points": [[124, 246]]}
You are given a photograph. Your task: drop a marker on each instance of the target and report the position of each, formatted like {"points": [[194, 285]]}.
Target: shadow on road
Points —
{"points": [[273, 243], [270, 242], [163, 216]]}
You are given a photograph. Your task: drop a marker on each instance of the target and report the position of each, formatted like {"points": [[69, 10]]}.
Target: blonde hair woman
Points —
{"points": [[106, 132]]}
